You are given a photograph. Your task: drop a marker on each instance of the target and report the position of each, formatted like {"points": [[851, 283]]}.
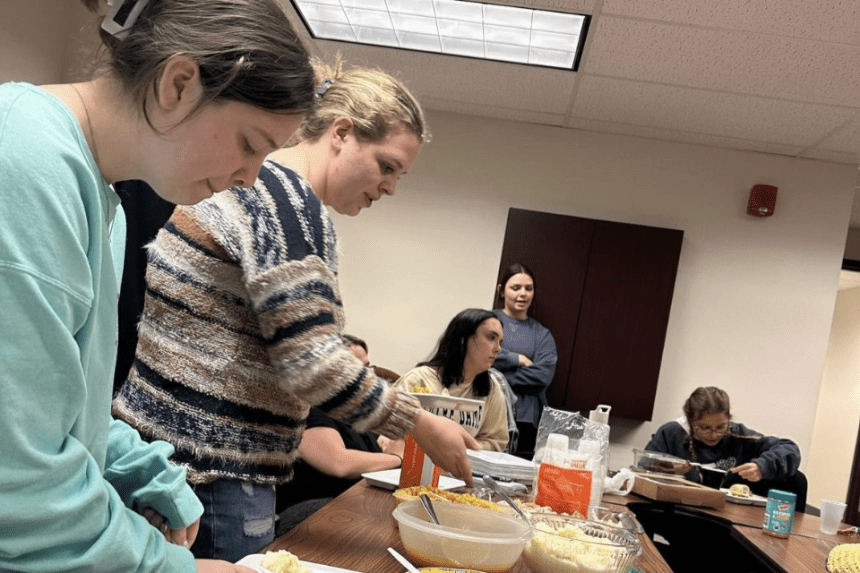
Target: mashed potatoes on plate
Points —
{"points": [[283, 562]]}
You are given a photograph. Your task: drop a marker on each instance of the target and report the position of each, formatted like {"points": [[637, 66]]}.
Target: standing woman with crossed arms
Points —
{"points": [[528, 357], [191, 97]]}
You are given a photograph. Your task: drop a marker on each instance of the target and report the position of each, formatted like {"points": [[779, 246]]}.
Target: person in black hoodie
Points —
{"points": [[707, 434]]}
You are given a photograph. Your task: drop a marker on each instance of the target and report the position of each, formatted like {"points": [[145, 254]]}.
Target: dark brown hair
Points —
{"points": [[246, 51], [708, 400], [514, 269], [450, 355]]}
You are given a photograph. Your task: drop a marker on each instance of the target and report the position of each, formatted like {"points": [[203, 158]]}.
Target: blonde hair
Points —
{"points": [[374, 100]]}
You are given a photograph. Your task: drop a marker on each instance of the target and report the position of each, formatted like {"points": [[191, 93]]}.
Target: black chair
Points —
{"points": [[796, 484]]}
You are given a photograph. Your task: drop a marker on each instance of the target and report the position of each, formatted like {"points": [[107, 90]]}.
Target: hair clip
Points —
{"points": [[324, 86], [122, 16]]}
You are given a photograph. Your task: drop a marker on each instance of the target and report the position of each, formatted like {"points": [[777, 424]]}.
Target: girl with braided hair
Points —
{"points": [[707, 434]]}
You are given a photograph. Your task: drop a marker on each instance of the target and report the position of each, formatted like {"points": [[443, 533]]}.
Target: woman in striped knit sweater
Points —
{"points": [[241, 329]]}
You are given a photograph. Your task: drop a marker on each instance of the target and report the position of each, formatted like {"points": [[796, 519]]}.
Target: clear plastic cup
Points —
{"points": [[831, 515]]}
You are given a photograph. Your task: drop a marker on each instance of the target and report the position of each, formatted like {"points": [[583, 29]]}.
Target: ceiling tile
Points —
{"points": [[780, 77], [683, 136], [505, 86], [846, 138], [833, 157], [702, 111], [484, 110], [571, 6], [835, 21], [738, 62]]}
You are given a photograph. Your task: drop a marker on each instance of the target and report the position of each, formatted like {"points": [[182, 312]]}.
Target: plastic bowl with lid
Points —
{"points": [[563, 544], [469, 537]]}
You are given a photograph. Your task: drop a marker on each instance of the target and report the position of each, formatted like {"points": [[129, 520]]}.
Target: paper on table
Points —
{"points": [[390, 479]]}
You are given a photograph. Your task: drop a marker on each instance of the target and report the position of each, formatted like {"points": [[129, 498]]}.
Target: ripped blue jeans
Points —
{"points": [[238, 519]]}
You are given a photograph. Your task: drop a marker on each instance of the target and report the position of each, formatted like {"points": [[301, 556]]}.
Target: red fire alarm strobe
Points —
{"points": [[762, 201]]}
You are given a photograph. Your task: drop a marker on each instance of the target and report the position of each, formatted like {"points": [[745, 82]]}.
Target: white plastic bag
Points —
{"points": [[587, 453], [621, 483]]}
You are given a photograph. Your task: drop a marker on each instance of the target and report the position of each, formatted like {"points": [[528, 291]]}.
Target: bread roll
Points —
{"points": [[740, 490]]}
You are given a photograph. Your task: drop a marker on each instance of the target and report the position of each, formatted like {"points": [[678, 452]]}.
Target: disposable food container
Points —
{"points": [[563, 544], [469, 537], [659, 462]]}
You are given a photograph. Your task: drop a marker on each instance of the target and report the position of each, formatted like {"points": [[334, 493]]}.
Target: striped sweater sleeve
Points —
{"points": [[284, 241]]}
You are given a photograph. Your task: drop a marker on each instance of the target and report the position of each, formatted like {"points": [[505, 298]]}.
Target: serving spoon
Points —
{"points": [[428, 506], [493, 485]]}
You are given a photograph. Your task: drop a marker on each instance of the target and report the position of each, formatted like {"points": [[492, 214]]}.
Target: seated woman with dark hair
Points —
{"points": [[706, 434], [461, 367]]}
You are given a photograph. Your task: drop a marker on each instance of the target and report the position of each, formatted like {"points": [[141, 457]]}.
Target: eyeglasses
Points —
{"points": [[708, 430]]}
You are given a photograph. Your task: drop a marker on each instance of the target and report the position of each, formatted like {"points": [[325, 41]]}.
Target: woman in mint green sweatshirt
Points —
{"points": [[184, 111]]}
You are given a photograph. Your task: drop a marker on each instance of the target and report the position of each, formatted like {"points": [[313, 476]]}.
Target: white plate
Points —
{"points": [[253, 562], [443, 401], [390, 479], [754, 500]]}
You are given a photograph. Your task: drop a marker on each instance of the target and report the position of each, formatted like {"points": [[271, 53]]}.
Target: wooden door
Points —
{"points": [[623, 319], [556, 249]]}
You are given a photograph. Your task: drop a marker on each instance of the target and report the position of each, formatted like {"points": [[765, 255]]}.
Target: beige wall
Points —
{"points": [[45, 41], [753, 300], [838, 414]]}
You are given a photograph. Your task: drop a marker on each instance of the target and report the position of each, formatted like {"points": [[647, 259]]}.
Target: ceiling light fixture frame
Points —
{"points": [[583, 32]]}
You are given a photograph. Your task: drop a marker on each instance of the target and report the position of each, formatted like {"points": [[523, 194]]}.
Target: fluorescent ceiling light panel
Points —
{"points": [[455, 27]]}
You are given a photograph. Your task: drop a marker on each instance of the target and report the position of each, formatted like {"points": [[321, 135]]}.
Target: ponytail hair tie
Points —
{"points": [[324, 86], [122, 16]]}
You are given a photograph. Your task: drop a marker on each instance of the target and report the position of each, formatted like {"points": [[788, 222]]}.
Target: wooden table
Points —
{"points": [[355, 530], [804, 551], [797, 553]]}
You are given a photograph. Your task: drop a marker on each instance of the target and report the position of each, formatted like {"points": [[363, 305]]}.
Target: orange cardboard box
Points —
{"points": [[417, 468], [678, 490]]}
